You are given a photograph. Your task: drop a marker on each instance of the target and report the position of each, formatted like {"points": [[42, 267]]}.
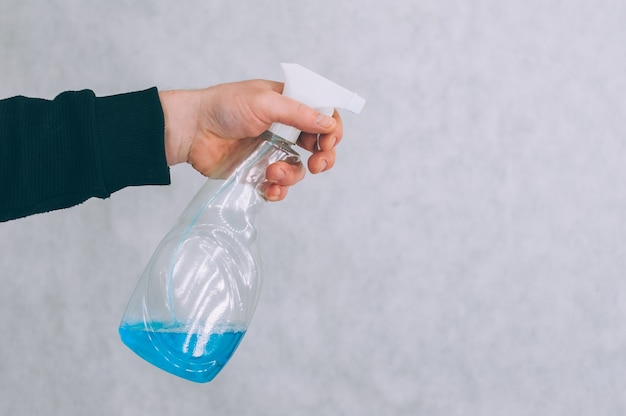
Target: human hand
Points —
{"points": [[208, 128]]}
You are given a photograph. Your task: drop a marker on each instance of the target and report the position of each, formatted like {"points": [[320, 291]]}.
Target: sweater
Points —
{"points": [[58, 153]]}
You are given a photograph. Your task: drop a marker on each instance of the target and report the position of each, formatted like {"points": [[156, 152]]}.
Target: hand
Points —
{"points": [[207, 127]]}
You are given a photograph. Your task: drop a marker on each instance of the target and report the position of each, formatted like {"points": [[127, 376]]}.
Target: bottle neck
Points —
{"points": [[243, 192], [270, 150]]}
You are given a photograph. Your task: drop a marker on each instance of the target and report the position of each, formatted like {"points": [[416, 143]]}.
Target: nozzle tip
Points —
{"points": [[356, 104]]}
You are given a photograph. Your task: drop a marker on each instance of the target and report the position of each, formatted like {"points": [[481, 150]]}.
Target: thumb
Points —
{"points": [[293, 113]]}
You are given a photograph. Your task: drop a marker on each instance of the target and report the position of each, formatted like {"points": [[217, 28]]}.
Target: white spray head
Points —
{"points": [[317, 92]]}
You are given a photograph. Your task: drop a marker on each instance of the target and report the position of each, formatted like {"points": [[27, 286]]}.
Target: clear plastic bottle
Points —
{"points": [[198, 293], [200, 289]]}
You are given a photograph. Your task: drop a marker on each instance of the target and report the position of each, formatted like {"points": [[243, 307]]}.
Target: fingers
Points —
{"points": [[321, 161], [314, 142], [319, 132], [320, 135], [273, 85], [283, 173], [280, 176], [322, 147], [275, 193], [284, 110]]}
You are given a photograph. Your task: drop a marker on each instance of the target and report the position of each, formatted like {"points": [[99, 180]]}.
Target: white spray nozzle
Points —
{"points": [[317, 92]]}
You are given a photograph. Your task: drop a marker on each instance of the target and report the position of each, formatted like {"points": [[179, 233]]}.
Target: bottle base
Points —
{"points": [[194, 357]]}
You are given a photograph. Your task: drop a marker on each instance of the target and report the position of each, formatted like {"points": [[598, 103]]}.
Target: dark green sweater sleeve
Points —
{"points": [[58, 153]]}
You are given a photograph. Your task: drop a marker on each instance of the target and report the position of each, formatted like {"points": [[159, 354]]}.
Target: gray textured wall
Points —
{"points": [[466, 256]]}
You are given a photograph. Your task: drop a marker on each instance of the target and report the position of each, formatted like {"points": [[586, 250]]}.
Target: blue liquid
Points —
{"points": [[191, 356]]}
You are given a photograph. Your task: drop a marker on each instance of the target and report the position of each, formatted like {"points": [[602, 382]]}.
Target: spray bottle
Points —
{"points": [[196, 297]]}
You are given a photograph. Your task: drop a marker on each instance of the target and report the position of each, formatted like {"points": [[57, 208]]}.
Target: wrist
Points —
{"points": [[180, 118]]}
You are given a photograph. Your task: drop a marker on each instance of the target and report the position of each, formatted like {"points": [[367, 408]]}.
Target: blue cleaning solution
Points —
{"points": [[192, 356]]}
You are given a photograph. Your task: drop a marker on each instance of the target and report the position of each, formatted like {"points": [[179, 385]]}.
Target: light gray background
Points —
{"points": [[466, 256]]}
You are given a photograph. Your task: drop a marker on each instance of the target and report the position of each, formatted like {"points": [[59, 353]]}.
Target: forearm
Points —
{"points": [[55, 154]]}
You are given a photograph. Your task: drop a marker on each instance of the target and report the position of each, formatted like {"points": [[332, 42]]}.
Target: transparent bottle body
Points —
{"points": [[198, 293]]}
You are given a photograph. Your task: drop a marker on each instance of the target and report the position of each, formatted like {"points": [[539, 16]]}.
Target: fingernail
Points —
{"points": [[272, 193], [324, 165], [333, 141], [324, 121]]}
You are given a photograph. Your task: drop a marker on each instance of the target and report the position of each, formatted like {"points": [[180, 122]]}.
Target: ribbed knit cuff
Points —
{"points": [[130, 129]]}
